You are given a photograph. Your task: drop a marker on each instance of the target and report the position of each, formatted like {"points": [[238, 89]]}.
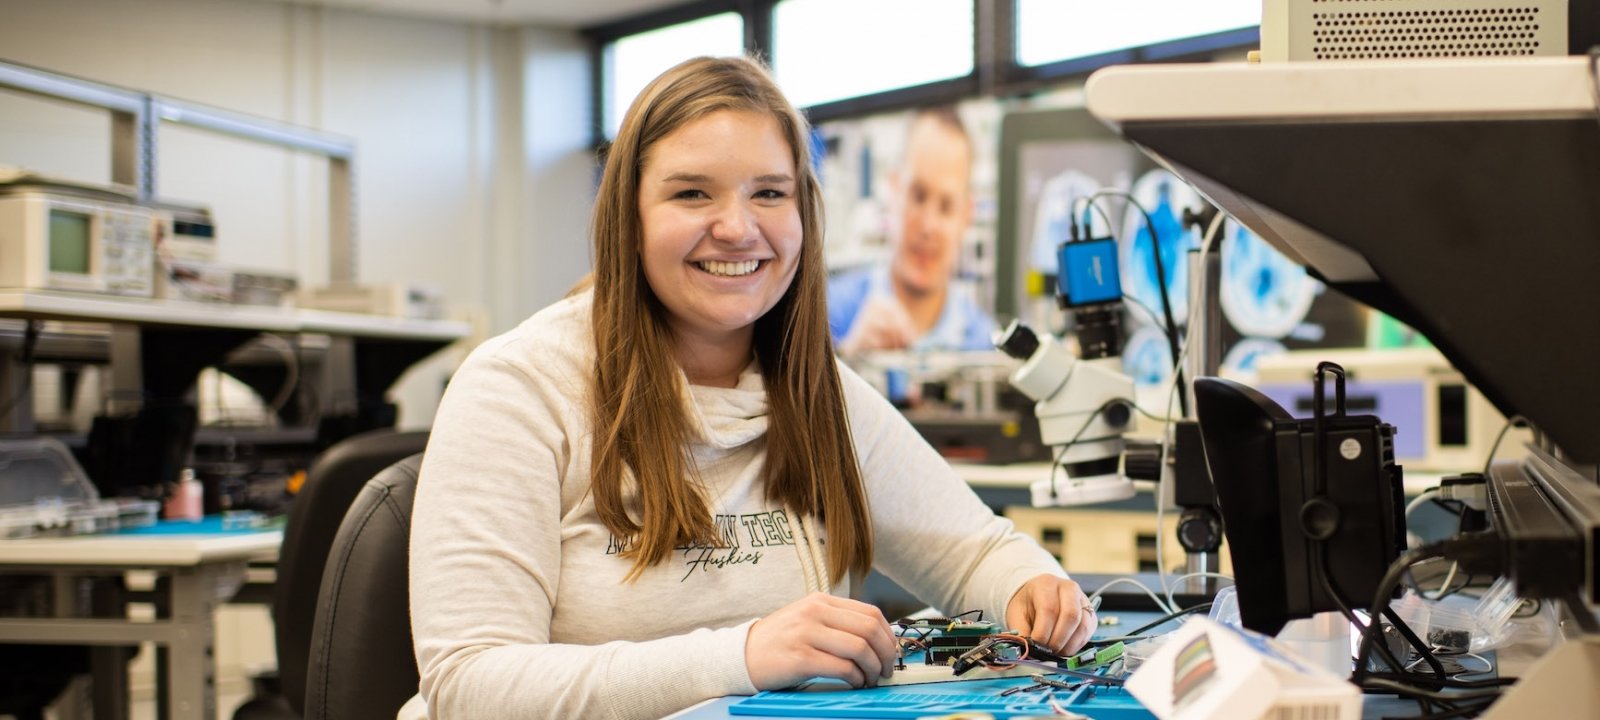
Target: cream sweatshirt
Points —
{"points": [[518, 602]]}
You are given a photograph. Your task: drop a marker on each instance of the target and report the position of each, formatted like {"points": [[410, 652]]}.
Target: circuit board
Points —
{"points": [[931, 648]]}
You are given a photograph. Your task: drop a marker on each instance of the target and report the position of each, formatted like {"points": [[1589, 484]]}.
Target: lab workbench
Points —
{"points": [[197, 566]]}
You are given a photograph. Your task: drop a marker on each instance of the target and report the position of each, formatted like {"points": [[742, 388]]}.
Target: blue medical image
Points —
{"points": [[1263, 293], [1147, 358], [1165, 197]]}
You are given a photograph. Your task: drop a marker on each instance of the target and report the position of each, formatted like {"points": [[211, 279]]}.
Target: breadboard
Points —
{"points": [[920, 674]]}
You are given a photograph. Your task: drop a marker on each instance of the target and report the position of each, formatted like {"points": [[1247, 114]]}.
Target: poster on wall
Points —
{"points": [[910, 200], [943, 223]]}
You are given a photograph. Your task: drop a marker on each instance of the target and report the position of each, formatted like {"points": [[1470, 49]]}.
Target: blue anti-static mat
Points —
{"points": [[909, 702], [209, 525]]}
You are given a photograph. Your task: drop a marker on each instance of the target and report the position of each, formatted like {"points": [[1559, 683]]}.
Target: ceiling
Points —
{"points": [[547, 13]]}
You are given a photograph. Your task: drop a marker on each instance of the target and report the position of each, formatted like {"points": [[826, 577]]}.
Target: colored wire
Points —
{"points": [[1173, 603], [1154, 318], [1160, 605], [1088, 230], [1513, 421], [1487, 666], [1481, 546], [1137, 633], [1448, 578]]}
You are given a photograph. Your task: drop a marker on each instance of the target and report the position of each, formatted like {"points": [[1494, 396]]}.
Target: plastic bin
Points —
{"points": [[44, 492]]}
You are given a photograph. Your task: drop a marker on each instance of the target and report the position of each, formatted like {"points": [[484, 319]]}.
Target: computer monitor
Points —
{"points": [[1311, 507], [1458, 196]]}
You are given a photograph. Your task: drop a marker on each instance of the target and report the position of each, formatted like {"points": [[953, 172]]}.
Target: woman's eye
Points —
{"points": [[690, 195], [771, 194]]}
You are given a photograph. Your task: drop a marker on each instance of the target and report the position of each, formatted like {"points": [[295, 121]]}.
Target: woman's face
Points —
{"points": [[721, 223], [935, 207]]}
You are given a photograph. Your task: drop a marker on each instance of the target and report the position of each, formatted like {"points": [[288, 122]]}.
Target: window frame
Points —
{"points": [[757, 37], [758, 27], [996, 72], [938, 92], [1014, 78]]}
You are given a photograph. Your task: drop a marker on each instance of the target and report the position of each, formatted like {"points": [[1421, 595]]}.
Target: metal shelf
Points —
{"points": [[155, 349], [136, 116], [44, 305]]}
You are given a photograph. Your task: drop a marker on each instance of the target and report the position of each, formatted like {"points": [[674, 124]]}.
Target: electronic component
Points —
{"points": [[949, 643], [1094, 657], [63, 236], [1444, 424], [186, 232], [1373, 29], [941, 640], [1549, 516], [402, 300]]}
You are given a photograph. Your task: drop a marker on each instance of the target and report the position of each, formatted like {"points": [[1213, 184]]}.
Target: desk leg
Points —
{"points": [[109, 665], [189, 678], [64, 600]]}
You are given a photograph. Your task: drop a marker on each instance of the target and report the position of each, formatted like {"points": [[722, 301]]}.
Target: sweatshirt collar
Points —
{"points": [[730, 417]]}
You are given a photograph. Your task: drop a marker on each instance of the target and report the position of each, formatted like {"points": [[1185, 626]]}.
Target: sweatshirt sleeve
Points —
{"points": [[933, 535], [486, 569]]}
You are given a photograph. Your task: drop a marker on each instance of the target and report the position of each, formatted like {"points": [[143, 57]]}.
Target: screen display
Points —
{"points": [[69, 242]]}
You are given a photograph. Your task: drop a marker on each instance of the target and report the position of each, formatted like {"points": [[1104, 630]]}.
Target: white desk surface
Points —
{"points": [[147, 311], [140, 551], [1021, 475]]}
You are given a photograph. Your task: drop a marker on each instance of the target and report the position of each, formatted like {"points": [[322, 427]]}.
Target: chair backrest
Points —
{"points": [[336, 476], [362, 665]]}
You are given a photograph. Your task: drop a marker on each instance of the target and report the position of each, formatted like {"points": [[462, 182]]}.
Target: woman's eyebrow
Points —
{"points": [[687, 177]]}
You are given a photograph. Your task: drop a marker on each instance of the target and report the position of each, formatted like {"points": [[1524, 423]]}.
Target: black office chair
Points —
{"points": [[361, 663], [335, 479], [32, 677]]}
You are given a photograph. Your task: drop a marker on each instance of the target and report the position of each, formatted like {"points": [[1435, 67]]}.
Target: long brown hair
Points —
{"points": [[641, 423]]}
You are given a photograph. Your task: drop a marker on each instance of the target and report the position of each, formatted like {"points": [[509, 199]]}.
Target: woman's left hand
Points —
{"points": [[1052, 612]]}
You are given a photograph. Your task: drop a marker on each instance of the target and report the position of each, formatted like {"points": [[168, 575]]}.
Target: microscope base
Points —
{"points": [[1081, 490]]}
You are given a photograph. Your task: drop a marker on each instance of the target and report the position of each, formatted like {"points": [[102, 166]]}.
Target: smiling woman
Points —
{"points": [[670, 469], [722, 235]]}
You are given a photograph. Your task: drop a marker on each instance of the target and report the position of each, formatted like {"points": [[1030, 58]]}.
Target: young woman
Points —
{"points": [[664, 488]]}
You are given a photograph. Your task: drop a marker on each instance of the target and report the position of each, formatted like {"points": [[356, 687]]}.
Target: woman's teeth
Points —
{"points": [[729, 269]]}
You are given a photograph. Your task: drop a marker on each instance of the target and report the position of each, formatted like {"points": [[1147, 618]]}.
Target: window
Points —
{"points": [[1054, 30], [828, 50], [632, 61]]}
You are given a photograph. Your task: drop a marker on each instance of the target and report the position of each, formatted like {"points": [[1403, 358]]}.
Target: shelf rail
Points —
{"points": [[135, 117]]}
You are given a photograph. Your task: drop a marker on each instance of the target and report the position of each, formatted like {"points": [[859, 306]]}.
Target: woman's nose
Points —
{"points": [[733, 222]]}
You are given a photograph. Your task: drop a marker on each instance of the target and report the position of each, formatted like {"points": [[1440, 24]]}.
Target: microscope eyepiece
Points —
{"points": [[1017, 340]]}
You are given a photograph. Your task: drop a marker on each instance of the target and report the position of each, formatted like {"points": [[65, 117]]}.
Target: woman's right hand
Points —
{"points": [[820, 636], [881, 324]]}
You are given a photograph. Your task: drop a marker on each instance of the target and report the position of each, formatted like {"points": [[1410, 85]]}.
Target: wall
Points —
{"points": [[472, 163]]}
